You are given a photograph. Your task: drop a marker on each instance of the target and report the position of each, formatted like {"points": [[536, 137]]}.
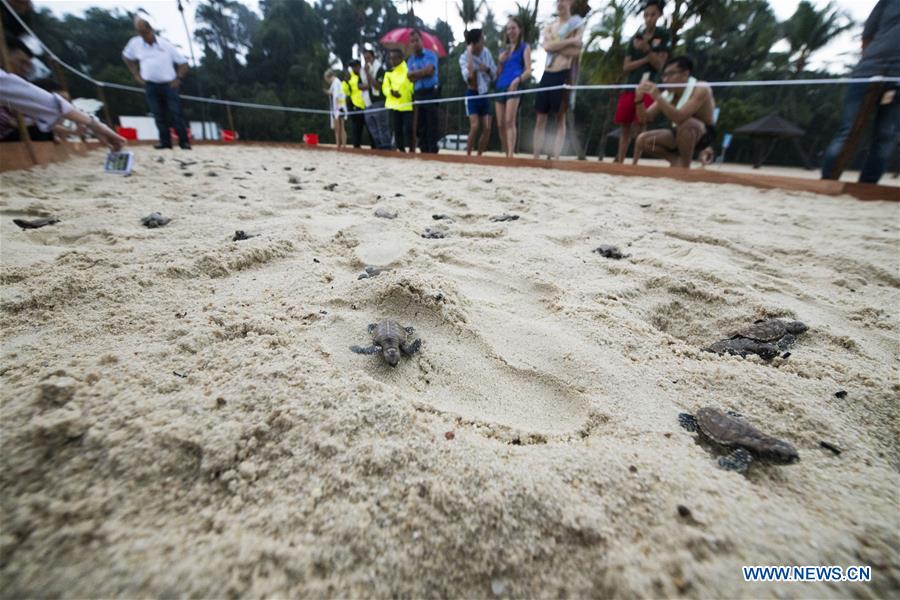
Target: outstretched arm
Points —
{"points": [[134, 67]]}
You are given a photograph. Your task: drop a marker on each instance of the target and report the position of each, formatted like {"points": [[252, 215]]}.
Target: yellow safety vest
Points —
{"points": [[396, 79], [356, 95]]}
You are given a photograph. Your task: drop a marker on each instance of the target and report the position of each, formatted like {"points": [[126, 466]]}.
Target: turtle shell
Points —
{"points": [[388, 333], [727, 430], [770, 330]]}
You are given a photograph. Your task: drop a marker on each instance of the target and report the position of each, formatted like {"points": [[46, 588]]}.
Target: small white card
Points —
{"points": [[119, 163]]}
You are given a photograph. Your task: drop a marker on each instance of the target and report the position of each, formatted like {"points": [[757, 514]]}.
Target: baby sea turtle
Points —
{"points": [[434, 234], [504, 217], [154, 220], [608, 251], [373, 272], [35, 223], [731, 431], [389, 338], [241, 235], [766, 337]]}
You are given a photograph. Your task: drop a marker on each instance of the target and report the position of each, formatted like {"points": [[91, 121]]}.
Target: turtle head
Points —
{"points": [[782, 453], [795, 327], [392, 356]]}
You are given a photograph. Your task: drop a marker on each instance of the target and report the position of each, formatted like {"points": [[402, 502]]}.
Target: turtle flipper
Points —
{"points": [[371, 328], [409, 329], [765, 350], [687, 421], [739, 460], [785, 342], [369, 350], [412, 347]]}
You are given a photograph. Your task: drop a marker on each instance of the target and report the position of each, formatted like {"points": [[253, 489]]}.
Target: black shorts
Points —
{"points": [[707, 139], [550, 102]]}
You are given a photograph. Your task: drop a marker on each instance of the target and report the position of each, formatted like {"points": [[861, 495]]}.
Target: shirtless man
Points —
{"points": [[562, 41], [690, 108]]}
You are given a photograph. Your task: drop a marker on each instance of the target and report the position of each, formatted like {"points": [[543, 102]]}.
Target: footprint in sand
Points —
{"points": [[479, 365]]}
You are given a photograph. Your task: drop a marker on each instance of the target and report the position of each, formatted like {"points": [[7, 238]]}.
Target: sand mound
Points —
{"points": [[182, 415]]}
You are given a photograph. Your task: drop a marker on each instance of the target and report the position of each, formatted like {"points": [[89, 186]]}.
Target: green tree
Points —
{"points": [[492, 31], [528, 16], [732, 38], [226, 30], [809, 30], [469, 11], [684, 12]]}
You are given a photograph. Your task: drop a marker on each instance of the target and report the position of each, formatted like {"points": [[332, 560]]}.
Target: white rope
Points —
{"points": [[533, 90]]}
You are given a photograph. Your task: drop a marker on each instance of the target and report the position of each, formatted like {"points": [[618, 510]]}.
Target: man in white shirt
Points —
{"points": [[152, 61]]}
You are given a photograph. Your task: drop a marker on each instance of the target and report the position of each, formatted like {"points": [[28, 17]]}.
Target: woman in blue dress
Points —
{"points": [[514, 70]]}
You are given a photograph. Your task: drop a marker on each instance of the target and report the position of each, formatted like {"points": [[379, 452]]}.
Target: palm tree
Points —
{"points": [[469, 10], [685, 10], [809, 30], [528, 17]]}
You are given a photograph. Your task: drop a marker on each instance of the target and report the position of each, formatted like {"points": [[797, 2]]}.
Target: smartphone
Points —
{"points": [[119, 163], [645, 77]]}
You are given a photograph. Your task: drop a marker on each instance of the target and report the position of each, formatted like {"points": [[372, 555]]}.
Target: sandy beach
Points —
{"points": [[181, 414]]}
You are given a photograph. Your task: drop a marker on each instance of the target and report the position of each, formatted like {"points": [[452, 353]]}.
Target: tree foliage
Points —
{"points": [[809, 30]]}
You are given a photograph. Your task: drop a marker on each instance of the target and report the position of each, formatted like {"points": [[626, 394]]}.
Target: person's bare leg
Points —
{"points": [[686, 138], [485, 134], [538, 141], [512, 131], [658, 143], [624, 140], [473, 132], [500, 112], [415, 129], [560, 134]]}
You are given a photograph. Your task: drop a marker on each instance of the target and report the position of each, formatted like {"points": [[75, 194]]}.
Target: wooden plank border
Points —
{"points": [[14, 156]]}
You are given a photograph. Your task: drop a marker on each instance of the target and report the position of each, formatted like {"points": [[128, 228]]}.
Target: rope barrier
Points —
{"points": [[532, 90]]}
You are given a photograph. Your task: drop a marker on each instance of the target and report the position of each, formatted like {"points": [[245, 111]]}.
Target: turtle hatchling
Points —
{"points": [[154, 220], [389, 338], [729, 430], [766, 337]]}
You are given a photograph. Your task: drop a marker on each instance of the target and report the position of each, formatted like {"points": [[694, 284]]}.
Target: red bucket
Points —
{"points": [[229, 135], [129, 133], [310, 139]]}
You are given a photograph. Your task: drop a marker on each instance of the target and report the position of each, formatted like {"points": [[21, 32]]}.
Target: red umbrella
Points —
{"points": [[399, 38]]}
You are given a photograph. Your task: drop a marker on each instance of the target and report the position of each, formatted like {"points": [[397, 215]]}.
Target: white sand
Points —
{"points": [[284, 465]]}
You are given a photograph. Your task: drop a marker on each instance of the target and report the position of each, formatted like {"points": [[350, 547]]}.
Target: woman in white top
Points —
{"points": [[338, 107]]}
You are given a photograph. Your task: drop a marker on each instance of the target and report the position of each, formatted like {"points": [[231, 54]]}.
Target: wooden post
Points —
{"points": [[102, 95], [230, 117], [60, 75], [866, 108], [23, 131]]}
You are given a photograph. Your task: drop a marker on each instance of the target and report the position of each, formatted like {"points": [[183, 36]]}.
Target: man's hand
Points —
{"points": [[484, 67], [504, 56], [107, 136], [175, 83], [641, 44], [395, 93], [514, 85], [140, 80], [647, 87]]}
